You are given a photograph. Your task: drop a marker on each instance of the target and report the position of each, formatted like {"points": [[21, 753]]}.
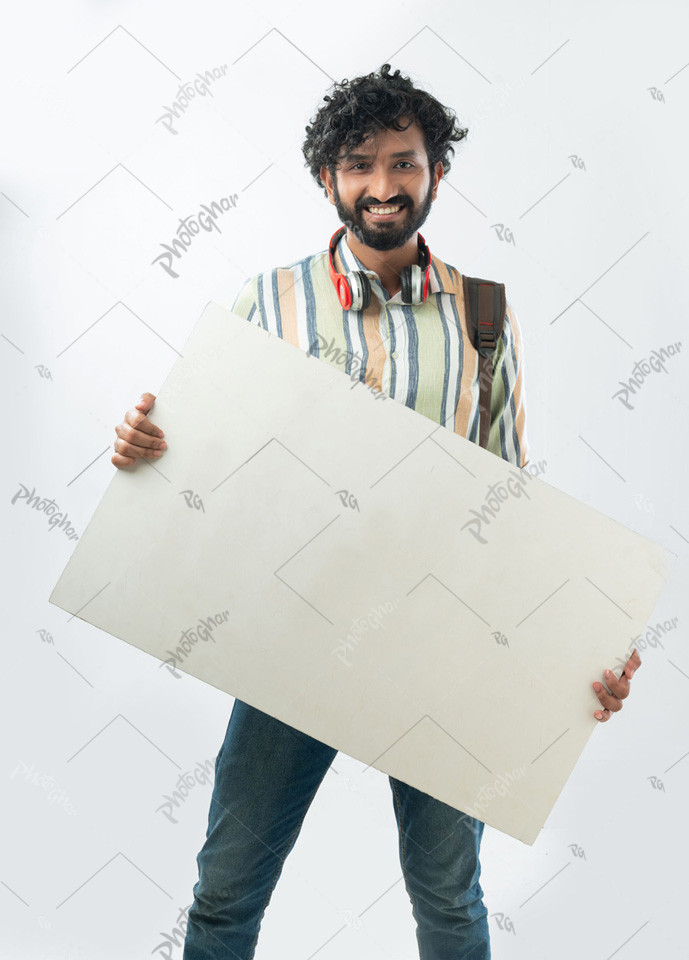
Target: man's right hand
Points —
{"points": [[137, 437]]}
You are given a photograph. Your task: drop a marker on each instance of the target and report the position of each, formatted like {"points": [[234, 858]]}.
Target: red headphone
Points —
{"points": [[354, 290]]}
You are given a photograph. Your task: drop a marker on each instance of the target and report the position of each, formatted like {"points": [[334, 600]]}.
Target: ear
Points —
{"points": [[439, 172], [324, 174]]}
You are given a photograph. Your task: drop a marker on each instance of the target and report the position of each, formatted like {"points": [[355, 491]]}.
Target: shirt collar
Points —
{"points": [[352, 262]]}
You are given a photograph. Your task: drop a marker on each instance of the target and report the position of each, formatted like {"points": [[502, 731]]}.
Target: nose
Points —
{"points": [[383, 184]]}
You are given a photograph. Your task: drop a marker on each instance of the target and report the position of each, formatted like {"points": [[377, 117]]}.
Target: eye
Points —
{"points": [[362, 164]]}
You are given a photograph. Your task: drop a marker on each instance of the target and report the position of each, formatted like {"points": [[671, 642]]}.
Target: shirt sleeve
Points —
{"points": [[507, 437], [246, 302]]}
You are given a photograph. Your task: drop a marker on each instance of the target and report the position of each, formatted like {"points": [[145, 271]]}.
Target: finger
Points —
{"points": [[602, 715], [137, 416], [607, 699], [132, 450], [617, 686], [145, 402], [119, 461], [139, 421], [139, 434], [632, 664]]}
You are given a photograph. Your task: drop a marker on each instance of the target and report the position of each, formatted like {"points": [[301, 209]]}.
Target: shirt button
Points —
{"points": [[394, 354]]}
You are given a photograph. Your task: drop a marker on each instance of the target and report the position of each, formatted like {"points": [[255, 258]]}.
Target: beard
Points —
{"points": [[384, 235]]}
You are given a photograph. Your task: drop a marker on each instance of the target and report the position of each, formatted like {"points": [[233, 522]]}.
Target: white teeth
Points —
{"points": [[384, 209]]}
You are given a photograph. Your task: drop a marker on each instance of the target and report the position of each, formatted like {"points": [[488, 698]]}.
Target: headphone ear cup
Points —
{"points": [[411, 278], [361, 290], [367, 291], [417, 278], [405, 280]]}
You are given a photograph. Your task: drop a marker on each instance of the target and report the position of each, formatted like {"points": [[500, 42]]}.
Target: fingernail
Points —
{"points": [[608, 673], [597, 686], [598, 715]]}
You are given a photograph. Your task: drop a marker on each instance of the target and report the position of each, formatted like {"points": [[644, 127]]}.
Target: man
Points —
{"points": [[378, 148]]}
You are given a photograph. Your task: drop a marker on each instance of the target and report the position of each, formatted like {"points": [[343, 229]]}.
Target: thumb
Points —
{"points": [[145, 402]]}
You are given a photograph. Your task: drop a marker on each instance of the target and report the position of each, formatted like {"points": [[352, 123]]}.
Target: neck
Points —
{"points": [[386, 263]]}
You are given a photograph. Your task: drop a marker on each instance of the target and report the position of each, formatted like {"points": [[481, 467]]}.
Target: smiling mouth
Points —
{"points": [[386, 212]]}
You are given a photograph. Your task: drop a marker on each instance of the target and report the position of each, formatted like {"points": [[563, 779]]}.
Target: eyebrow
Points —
{"points": [[367, 156]]}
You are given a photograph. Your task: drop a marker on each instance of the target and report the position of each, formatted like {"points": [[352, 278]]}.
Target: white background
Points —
{"points": [[577, 151]]}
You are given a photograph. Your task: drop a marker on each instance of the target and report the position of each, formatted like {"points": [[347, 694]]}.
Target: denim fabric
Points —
{"points": [[266, 776]]}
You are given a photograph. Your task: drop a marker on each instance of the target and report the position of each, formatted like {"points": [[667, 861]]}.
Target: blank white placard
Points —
{"points": [[365, 575]]}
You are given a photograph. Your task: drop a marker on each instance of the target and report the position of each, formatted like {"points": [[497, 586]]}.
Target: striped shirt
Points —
{"points": [[420, 354]]}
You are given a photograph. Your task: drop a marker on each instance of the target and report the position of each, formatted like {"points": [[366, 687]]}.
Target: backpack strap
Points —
{"points": [[484, 305]]}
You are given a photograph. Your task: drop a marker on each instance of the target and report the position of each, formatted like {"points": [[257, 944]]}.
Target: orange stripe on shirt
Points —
{"points": [[444, 274], [288, 306], [374, 342]]}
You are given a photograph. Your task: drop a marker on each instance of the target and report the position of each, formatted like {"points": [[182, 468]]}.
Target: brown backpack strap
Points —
{"points": [[484, 304]]}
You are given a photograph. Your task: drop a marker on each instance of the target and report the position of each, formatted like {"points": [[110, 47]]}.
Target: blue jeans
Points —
{"points": [[266, 775]]}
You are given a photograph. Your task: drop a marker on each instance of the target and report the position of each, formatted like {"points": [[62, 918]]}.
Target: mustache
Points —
{"points": [[388, 203]]}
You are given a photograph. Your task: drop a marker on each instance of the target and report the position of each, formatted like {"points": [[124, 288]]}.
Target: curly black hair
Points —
{"points": [[367, 104]]}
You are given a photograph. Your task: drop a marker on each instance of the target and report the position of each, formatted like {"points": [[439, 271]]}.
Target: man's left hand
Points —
{"points": [[617, 690]]}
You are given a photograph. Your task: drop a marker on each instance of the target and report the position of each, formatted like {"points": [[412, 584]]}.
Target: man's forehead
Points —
{"points": [[409, 142]]}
